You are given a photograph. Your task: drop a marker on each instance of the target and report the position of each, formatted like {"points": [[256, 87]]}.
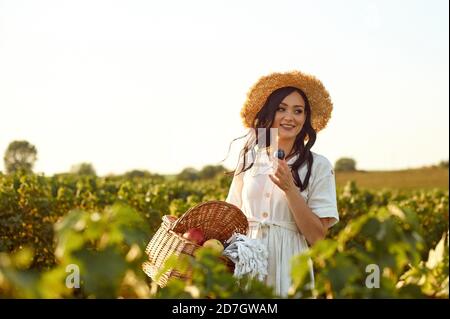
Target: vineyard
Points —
{"points": [[102, 225]]}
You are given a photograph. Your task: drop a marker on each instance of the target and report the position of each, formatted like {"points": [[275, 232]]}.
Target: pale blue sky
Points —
{"points": [[159, 85]]}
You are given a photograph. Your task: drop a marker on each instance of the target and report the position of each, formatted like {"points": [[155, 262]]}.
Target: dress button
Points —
{"points": [[265, 214], [267, 194]]}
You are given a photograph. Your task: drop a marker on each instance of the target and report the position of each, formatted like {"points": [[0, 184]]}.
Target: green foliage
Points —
{"points": [[430, 207], [387, 238], [20, 156], [208, 277], [102, 225], [107, 248], [431, 276], [345, 164]]}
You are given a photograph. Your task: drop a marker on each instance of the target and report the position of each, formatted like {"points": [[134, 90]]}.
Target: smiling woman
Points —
{"points": [[290, 114], [290, 203]]}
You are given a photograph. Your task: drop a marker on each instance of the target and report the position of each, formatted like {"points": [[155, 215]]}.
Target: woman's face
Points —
{"points": [[290, 116]]}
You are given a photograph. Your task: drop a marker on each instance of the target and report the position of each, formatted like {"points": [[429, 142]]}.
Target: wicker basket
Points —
{"points": [[217, 219]]}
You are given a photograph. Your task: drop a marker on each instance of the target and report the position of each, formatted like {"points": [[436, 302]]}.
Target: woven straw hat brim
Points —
{"points": [[318, 97]]}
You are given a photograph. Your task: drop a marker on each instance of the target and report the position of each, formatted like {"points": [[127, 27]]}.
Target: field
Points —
{"points": [[74, 236], [419, 178], [422, 178]]}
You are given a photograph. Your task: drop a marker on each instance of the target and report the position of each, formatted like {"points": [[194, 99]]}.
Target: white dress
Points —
{"points": [[269, 216]]}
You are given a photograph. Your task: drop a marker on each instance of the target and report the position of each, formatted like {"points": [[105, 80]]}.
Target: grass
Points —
{"points": [[423, 178]]}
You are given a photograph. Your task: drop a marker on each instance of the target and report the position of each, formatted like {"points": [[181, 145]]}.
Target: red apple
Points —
{"points": [[196, 235]]}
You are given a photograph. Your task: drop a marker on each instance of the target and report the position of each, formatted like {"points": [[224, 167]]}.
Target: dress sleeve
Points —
{"points": [[235, 192], [322, 195]]}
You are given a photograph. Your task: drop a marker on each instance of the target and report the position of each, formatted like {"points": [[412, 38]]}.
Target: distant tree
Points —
{"points": [[83, 169], [189, 174], [443, 164], [211, 171], [20, 156], [138, 173], [345, 164]]}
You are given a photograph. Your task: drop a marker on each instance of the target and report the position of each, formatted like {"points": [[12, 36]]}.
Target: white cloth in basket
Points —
{"points": [[249, 256]]}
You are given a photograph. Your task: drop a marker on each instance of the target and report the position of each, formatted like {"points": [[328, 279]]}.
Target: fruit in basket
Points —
{"points": [[196, 235], [214, 244]]}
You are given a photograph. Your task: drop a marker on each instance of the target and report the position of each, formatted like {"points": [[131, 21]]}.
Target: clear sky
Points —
{"points": [[159, 85]]}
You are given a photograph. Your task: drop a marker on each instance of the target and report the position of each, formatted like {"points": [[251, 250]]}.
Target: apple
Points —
{"points": [[195, 235], [215, 244]]}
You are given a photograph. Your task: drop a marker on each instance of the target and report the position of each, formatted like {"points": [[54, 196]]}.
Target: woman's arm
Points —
{"points": [[309, 224]]}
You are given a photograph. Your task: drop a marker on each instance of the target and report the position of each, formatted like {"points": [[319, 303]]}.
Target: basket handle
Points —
{"points": [[184, 216]]}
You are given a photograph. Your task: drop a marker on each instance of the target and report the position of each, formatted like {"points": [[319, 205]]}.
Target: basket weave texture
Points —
{"points": [[217, 219]]}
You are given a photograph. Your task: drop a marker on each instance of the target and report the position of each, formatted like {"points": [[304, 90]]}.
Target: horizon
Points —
{"points": [[159, 86], [358, 169]]}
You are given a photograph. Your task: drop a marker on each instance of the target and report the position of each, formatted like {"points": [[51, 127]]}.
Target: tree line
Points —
{"points": [[21, 156]]}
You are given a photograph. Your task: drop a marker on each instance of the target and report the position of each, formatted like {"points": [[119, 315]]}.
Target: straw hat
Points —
{"points": [[318, 96]]}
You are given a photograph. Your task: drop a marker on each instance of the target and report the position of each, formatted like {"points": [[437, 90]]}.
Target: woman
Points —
{"points": [[290, 203]]}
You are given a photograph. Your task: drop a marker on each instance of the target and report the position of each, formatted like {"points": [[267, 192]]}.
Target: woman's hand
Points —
{"points": [[283, 177]]}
